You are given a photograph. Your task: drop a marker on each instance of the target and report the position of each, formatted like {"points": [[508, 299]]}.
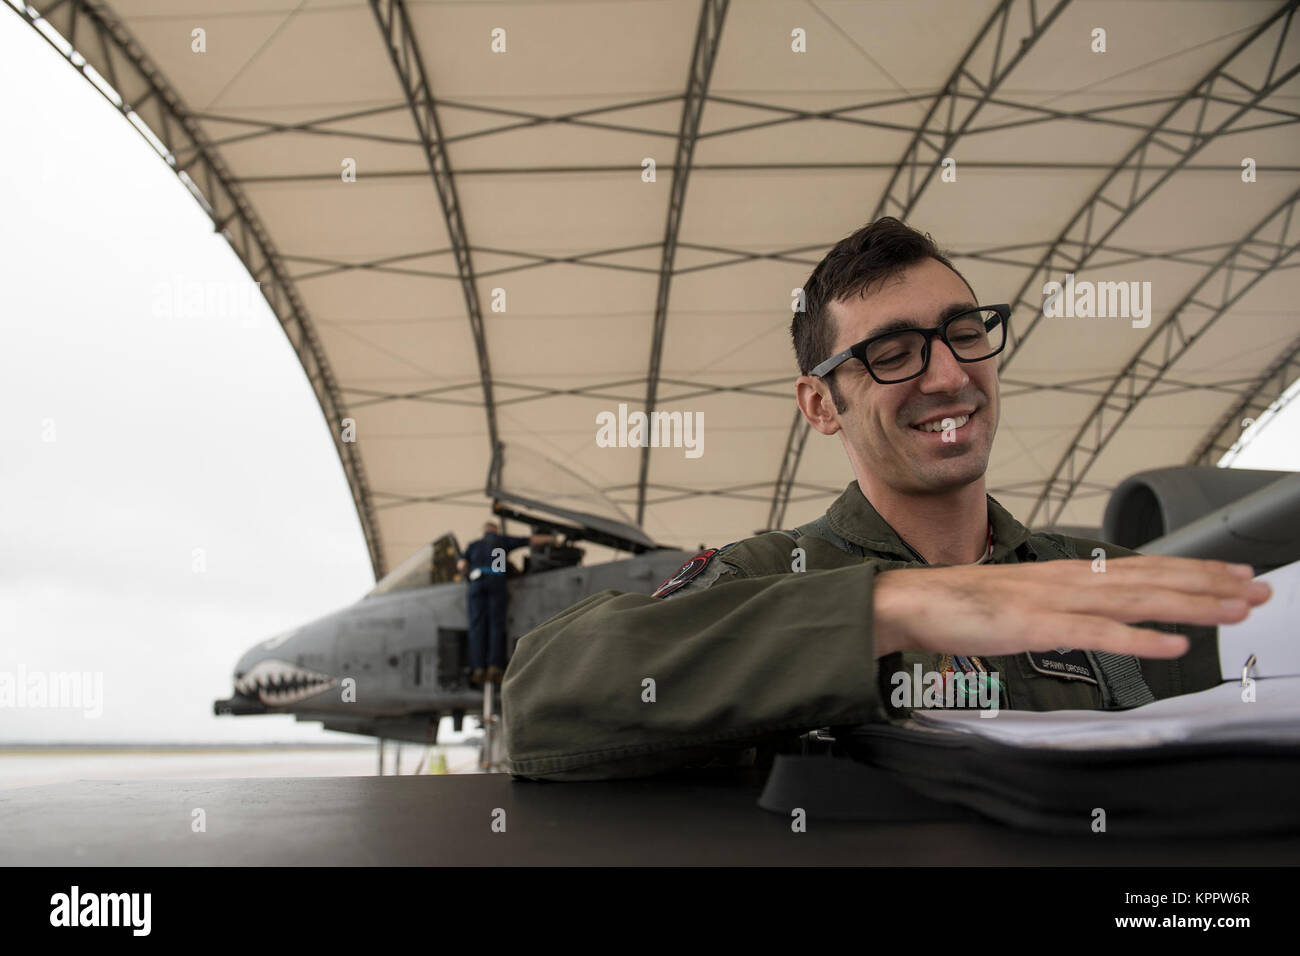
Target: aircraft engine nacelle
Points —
{"points": [[1229, 514]]}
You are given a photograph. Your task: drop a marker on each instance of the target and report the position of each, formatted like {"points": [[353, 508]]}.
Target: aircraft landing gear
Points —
{"points": [[492, 752]]}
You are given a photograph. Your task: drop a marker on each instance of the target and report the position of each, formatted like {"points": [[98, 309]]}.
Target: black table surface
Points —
{"points": [[448, 820]]}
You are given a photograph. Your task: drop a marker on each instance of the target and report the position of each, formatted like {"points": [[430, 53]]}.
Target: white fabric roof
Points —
{"points": [[522, 171]]}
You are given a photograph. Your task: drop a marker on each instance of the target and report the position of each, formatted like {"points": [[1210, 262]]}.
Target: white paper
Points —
{"points": [[1271, 632], [1218, 714]]}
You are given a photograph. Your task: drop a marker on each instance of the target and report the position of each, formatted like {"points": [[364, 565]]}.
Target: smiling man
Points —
{"points": [[913, 572]]}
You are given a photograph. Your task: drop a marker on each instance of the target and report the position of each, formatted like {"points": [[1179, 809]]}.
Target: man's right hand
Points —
{"points": [[1006, 609]]}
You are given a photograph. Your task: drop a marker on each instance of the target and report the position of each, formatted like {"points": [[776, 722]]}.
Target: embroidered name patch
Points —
{"points": [[687, 571], [1070, 665]]}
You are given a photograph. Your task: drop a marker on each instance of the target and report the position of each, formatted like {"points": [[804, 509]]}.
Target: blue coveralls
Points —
{"points": [[487, 601]]}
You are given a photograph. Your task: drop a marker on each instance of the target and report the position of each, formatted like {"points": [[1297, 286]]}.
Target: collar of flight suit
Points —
{"points": [[853, 517]]}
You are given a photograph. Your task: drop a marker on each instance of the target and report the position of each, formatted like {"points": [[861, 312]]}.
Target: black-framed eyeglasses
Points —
{"points": [[892, 357]]}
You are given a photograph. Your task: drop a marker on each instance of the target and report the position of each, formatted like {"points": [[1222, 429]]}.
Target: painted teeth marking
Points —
{"points": [[278, 683]]}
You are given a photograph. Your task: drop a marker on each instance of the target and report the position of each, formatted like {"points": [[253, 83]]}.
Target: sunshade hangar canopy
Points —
{"points": [[504, 269]]}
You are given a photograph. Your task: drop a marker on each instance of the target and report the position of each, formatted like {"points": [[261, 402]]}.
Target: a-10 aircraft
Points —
{"points": [[404, 645]]}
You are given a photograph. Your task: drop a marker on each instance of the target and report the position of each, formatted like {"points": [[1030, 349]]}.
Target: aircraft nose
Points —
{"points": [[244, 700], [248, 661], [281, 647], [271, 674], [273, 671]]}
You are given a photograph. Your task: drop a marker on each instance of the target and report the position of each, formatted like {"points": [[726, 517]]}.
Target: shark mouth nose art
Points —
{"points": [[279, 683]]}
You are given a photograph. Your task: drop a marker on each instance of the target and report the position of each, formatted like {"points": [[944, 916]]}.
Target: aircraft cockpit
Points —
{"points": [[546, 497], [435, 563]]}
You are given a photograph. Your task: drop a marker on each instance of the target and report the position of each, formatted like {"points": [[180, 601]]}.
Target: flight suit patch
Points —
{"points": [[686, 572], [1067, 664], [976, 671]]}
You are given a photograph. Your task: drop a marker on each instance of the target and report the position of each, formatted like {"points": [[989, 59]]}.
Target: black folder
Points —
{"points": [[888, 773]]}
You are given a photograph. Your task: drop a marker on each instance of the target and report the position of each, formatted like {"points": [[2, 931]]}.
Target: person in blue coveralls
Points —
{"points": [[484, 564]]}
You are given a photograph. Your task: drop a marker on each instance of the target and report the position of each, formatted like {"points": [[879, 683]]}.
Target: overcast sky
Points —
{"points": [[130, 437], [170, 434]]}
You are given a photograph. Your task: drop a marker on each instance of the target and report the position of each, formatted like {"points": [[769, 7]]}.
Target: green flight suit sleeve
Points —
{"points": [[746, 659]]}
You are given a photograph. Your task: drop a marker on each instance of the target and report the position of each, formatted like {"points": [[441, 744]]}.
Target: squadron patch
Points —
{"points": [[686, 572]]}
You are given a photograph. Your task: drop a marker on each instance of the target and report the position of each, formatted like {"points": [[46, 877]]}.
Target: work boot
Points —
{"points": [[476, 677], [494, 674]]}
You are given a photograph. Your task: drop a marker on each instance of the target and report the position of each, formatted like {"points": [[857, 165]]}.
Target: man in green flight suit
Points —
{"points": [[753, 644]]}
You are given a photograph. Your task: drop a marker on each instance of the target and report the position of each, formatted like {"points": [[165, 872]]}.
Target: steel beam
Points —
{"points": [[1164, 346], [399, 39], [708, 34], [1122, 192], [1265, 393]]}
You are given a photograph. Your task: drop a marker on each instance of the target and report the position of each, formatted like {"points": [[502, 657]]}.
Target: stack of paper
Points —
{"points": [[1271, 632], [1215, 715]]}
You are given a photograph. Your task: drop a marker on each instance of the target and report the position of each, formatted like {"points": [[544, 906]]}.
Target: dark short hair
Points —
{"points": [[878, 251]]}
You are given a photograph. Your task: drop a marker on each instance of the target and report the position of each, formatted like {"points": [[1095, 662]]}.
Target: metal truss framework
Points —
{"points": [[1101, 214], [922, 157], [400, 41], [99, 47], [435, 396], [919, 161], [959, 108], [775, 388], [848, 167], [466, 498], [1166, 344], [951, 113], [1264, 393], [708, 34], [1122, 192], [999, 255]]}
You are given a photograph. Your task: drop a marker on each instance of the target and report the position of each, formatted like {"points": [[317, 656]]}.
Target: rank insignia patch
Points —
{"points": [[686, 572]]}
